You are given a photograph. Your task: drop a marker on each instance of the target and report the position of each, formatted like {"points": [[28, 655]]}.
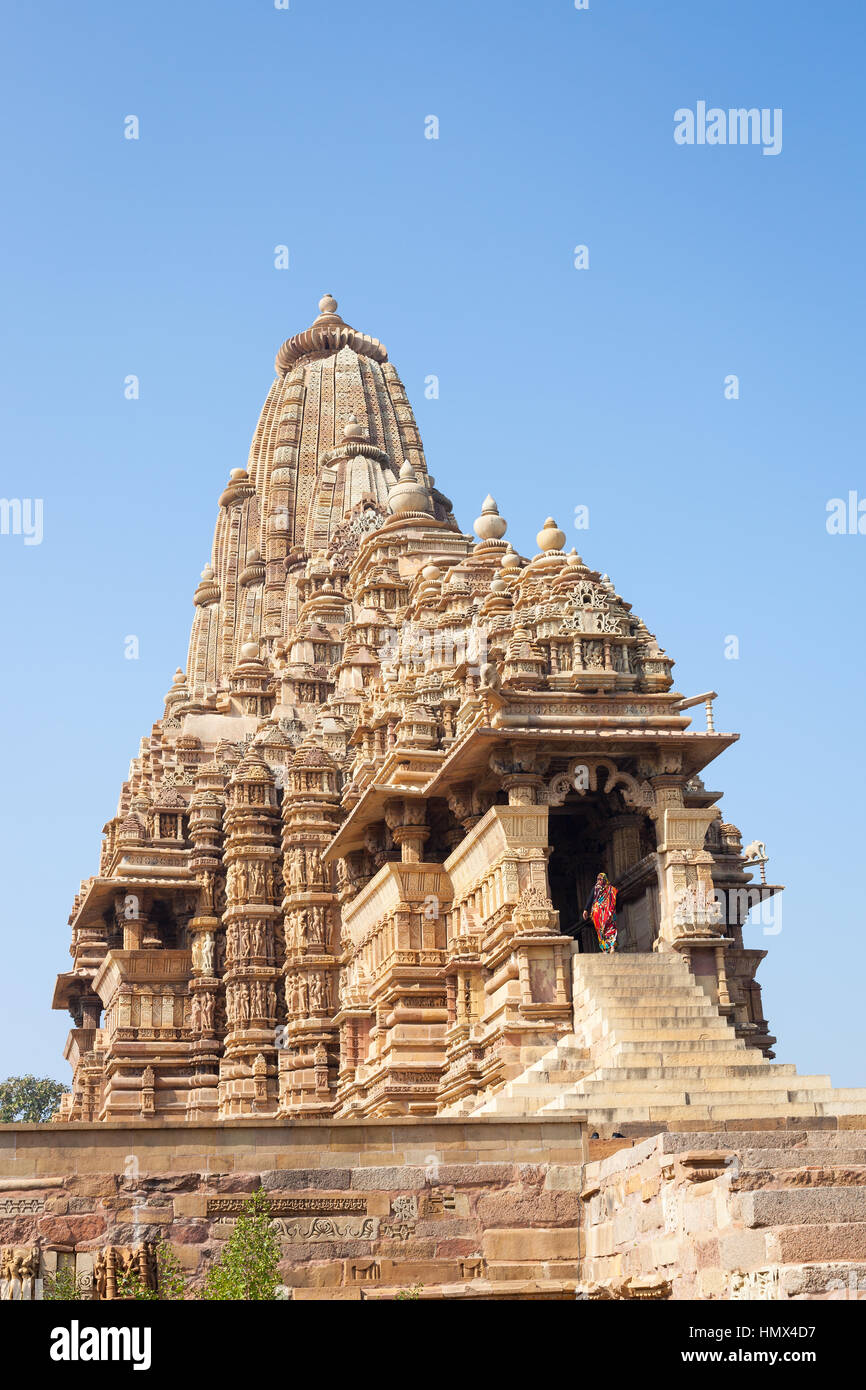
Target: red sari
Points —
{"points": [[604, 913]]}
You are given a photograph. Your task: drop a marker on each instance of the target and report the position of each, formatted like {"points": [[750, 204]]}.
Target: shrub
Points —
{"points": [[247, 1269]]}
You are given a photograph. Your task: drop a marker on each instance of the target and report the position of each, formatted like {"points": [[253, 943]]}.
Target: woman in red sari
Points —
{"points": [[601, 906]]}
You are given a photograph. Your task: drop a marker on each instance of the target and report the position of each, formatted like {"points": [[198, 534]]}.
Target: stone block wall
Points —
{"points": [[762, 1214], [475, 1208], [470, 1207]]}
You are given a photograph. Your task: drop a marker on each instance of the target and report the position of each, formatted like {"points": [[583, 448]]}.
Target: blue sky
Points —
{"points": [[559, 387]]}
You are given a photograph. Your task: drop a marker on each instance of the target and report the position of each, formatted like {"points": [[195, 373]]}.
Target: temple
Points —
{"points": [[346, 874]]}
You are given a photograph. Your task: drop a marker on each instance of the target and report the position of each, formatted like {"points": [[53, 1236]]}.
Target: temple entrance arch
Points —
{"points": [[600, 829]]}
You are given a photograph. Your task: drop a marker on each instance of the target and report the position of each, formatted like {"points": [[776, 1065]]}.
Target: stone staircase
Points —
{"points": [[650, 1046]]}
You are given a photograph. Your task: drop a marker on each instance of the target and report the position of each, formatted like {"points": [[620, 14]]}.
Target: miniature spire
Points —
{"points": [[550, 538], [353, 429], [490, 526], [408, 494]]}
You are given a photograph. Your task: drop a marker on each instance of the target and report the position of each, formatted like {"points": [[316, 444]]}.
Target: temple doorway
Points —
{"points": [[586, 837], [579, 851]]}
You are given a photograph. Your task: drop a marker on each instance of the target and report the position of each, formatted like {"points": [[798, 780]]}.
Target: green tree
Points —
{"points": [[62, 1287], [247, 1269], [32, 1099]]}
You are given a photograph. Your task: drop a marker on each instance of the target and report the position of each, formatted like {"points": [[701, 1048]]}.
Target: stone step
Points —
{"points": [[709, 1070], [677, 1049], [690, 1079], [670, 978], [652, 1014], [601, 963], [636, 1032], [653, 989], [587, 1007], [650, 1112], [527, 1090], [630, 985], [567, 1057], [693, 1058], [693, 1061], [546, 1079], [855, 1094], [697, 1095]]}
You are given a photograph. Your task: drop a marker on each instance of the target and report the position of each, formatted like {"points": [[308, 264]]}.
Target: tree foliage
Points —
{"points": [[63, 1287], [247, 1269], [29, 1099]]}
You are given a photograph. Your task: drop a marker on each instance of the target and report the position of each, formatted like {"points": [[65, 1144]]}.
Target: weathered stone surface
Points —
{"points": [[189, 1234], [70, 1230], [798, 1244], [511, 1208], [296, 1179], [796, 1206], [390, 1178], [532, 1244]]}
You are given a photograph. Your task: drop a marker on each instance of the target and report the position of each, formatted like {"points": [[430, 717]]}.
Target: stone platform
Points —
{"points": [[476, 1208], [481, 1208]]}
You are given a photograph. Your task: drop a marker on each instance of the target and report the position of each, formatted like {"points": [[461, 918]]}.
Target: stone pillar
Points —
{"points": [[624, 844], [689, 914], [523, 788], [407, 823], [253, 882], [310, 1057], [205, 929]]}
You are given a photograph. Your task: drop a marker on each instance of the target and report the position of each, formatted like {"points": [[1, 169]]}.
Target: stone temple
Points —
{"points": [[336, 940]]}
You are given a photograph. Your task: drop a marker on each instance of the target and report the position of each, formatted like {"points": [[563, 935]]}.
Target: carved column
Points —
{"points": [[689, 915], [205, 928], [310, 1055], [624, 844], [407, 822], [253, 884]]}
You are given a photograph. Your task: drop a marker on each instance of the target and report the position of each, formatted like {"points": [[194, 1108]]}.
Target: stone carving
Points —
{"points": [[21, 1206], [203, 953], [287, 1206], [318, 1229], [18, 1263], [757, 1284], [755, 851], [114, 1263]]}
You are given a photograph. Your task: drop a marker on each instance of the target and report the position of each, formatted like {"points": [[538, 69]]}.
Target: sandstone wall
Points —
{"points": [[476, 1208], [763, 1214]]}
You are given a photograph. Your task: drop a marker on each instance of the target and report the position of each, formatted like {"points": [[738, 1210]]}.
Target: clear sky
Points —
{"points": [[559, 387]]}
